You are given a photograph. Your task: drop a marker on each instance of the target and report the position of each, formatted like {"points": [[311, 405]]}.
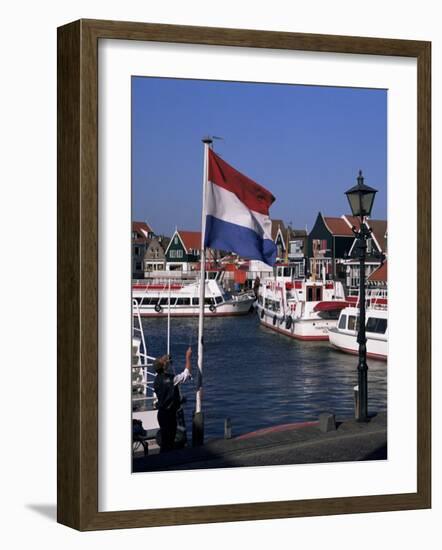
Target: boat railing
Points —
{"points": [[142, 374], [375, 298]]}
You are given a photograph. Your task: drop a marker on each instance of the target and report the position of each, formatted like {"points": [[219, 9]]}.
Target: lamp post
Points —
{"points": [[361, 198]]}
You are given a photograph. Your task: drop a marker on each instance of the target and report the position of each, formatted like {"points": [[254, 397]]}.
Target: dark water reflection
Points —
{"points": [[259, 378]]}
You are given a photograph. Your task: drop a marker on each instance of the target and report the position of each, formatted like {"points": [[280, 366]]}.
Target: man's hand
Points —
{"points": [[188, 357]]}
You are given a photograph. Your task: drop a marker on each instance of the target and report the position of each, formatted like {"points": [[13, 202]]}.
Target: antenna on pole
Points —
{"points": [[210, 139]]}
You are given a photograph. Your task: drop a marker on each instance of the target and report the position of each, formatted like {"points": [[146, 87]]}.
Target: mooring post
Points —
{"points": [[327, 422], [197, 429], [356, 401], [227, 428]]}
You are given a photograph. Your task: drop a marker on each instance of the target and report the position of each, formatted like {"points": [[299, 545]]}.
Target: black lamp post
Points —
{"points": [[361, 198]]}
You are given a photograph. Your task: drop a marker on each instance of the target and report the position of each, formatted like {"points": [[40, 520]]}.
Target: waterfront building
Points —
{"points": [[329, 244], [376, 251], [142, 233], [379, 278], [291, 245], [280, 238], [155, 255], [183, 253]]}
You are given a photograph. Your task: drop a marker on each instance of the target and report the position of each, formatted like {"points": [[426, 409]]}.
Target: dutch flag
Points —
{"points": [[237, 213]]}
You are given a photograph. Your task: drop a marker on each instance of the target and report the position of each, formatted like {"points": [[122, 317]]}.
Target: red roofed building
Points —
{"points": [[376, 250], [379, 277], [329, 242], [184, 251]]}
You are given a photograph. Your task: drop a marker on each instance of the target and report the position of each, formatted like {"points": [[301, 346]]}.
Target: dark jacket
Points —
{"points": [[168, 395]]}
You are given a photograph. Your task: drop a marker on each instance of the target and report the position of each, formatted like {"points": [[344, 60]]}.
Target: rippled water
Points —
{"points": [[259, 378]]}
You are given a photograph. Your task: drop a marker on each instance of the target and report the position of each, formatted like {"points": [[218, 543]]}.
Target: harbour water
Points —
{"points": [[259, 378]]}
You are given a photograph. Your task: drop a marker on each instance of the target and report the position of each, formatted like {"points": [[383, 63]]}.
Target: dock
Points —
{"points": [[293, 444]]}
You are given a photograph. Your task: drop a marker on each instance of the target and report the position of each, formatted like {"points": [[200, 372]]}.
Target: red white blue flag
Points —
{"points": [[237, 213]]}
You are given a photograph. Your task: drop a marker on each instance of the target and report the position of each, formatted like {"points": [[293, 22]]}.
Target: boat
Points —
{"points": [[153, 298], [143, 395], [344, 336], [304, 309]]}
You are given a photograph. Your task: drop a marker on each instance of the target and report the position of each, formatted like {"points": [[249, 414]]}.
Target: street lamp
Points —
{"points": [[361, 198]]}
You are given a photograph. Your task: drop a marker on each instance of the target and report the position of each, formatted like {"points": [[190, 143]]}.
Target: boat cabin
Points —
{"points": [[375, 323]]}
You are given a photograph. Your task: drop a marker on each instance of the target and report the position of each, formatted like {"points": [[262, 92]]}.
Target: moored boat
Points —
{"points": [[153, 299], [344, 336], [301, 309]]}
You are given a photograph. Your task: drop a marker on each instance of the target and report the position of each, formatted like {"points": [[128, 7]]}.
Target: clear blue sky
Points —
{"points": [[303, 143]]}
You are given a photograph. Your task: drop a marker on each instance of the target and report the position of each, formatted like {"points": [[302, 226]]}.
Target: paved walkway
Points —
{"points": [[295, 445]]}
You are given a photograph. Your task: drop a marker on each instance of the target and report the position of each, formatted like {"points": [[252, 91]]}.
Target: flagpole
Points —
{"points": [[168, 322], [198, 423]]}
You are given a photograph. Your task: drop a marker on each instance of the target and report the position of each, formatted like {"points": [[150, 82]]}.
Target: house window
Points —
{"points": [[296, 248], [175, 240], [179, 253], [137, 251], [138, 266], [173, 253]]}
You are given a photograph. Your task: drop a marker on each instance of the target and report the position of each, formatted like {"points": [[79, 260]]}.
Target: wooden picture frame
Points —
{"points": [[78, 274]]}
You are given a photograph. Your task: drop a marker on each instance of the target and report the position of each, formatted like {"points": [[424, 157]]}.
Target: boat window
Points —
{"points": [[332, 314], [195, 301], [353, 322], [318, 294], [183, 302], [260, 299], [376, 325], [218, 299], [208, 301], [343, 321], [309, 294], [165, 301], [286, 272]]}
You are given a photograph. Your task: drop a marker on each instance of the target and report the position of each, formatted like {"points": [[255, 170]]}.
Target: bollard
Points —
{"points": [[327, 422], [197, 429], [227, 428], [356, 401]]}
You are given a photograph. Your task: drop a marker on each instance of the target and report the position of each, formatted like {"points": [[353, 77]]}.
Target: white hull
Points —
{"points": [[301, 309], [344, 335], [153, 300], [377, 348], [300, 329], [240, 308]]}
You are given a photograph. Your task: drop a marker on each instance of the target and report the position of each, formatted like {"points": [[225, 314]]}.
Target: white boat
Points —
{"points": [[153, 299], [344, 335], [301, 309], [143, 396]]}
